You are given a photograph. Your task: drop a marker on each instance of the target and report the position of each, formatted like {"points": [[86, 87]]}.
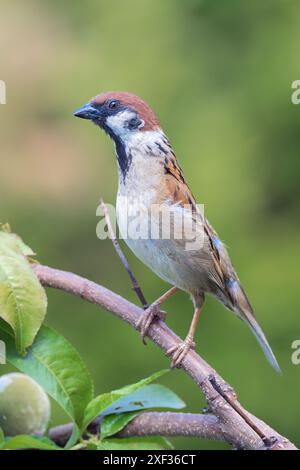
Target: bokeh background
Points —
{"points": [[219, 76]]}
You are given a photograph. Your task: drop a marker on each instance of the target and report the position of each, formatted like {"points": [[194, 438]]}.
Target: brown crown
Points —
{"points": [[133, 101]]}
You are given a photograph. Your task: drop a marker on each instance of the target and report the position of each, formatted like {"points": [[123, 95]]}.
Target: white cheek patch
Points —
{"points": [[118, 122]]}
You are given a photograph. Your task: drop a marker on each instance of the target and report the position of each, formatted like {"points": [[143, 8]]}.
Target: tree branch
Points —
{"points": [[154, 423], [235, 429], [170, 424]]}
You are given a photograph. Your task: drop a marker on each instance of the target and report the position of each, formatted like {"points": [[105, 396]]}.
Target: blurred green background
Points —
{"points": [[219, 74]]}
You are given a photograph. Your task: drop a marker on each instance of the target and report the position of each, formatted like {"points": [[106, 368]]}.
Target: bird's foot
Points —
{"points": [[151, 314], [179, 352]]}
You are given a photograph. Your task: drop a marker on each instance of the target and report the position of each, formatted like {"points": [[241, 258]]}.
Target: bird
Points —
{"points": [[153, 191]]}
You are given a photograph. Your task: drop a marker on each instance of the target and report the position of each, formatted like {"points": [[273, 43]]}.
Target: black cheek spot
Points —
{"points": [[134, 123]]}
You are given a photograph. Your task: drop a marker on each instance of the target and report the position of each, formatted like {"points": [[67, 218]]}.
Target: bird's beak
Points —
{"points": [[88, 111]]}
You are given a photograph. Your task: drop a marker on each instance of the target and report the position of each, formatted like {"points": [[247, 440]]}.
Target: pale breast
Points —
{"points": [[145, 231], [142, 201]]}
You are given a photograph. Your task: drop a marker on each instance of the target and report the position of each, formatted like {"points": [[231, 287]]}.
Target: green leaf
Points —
{"points": [[149, 396], [136, 443], [112, 424], [23, 302], [57, 367], [13, 241], [74, 437], [99, 404], [91, 445], [24, 441]]}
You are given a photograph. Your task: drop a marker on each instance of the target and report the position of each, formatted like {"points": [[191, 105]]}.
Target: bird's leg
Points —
{"points": [[152, 312], [179, 351]]}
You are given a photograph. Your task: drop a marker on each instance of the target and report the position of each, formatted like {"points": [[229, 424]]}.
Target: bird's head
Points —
{"points": [[120, 114]]}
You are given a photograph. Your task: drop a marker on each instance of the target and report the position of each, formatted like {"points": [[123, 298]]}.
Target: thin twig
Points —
{"points": [[234, 427], [135, 284]]}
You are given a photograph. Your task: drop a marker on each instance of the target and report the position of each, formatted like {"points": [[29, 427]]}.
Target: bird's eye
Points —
{"points": [[113, 104]]}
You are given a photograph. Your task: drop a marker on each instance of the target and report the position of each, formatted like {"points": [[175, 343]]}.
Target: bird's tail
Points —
{"points": [[258, 332], [245, 312]]}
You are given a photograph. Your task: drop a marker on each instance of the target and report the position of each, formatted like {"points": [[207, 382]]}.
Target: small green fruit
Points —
{"points": [[24, 406]]}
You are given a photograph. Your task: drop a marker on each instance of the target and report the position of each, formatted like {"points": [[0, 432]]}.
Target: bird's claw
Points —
{"points": [[151, 314], [179, 352]]}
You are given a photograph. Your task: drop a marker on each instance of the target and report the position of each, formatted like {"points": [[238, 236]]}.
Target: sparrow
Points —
{"points": [[151, 184]]}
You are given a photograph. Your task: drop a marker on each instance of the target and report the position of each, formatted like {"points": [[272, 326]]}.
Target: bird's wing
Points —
{"points": [[220, 270], [179, 193], [223, 273], [177, 189]]}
